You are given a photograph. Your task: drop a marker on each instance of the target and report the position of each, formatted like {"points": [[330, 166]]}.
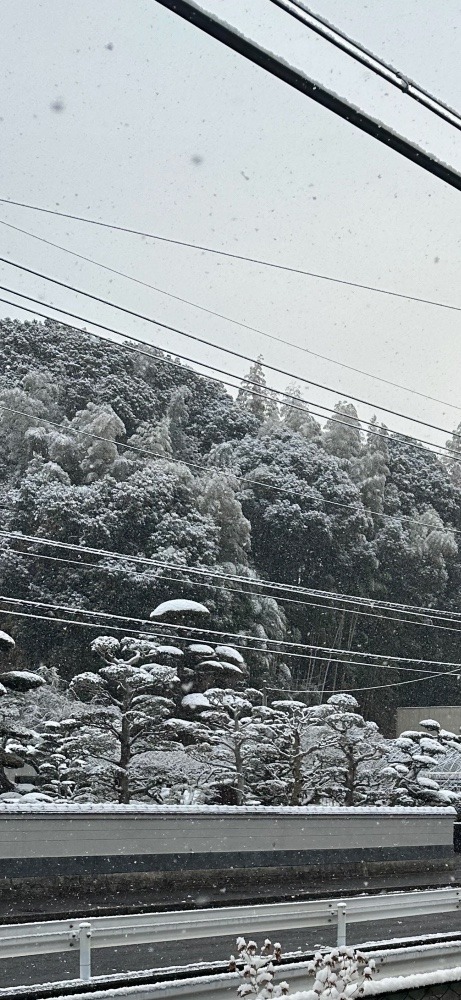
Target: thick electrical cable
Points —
{"points": [[282, 70], [218, 347], [230, 319], [357, 51]]}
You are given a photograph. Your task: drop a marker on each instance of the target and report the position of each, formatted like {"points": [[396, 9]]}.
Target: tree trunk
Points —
{"points": [[5, 784], [296, 772], [125, 754], [350, 778], [238, 764]]}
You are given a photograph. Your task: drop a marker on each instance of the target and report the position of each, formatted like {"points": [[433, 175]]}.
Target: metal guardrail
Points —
{"points": [[392, 966], [53, 936]]}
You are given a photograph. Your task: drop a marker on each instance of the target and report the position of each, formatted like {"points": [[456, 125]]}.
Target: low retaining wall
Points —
{"points": [[94, 846]]}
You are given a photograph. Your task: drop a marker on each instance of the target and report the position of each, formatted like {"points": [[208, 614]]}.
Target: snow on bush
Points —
{"points": [[340, 974], [178, 605], [257, 970], [6, 642]]}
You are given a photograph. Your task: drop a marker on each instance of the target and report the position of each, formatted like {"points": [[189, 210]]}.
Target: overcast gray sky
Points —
{"points": [[121, 111]]}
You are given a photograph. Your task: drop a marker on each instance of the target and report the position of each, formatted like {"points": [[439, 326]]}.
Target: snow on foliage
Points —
{"points": [[21, 680], [338, 974], [179, 605], [257, 970], [195, 701], [6, 642], [221, 666], [201, 649], [229, 653]]}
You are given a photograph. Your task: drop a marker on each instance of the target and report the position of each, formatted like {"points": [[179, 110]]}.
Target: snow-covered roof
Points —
{"points": [[68, 809]]}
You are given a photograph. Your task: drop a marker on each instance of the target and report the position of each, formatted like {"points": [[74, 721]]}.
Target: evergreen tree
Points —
{"points": [[295, 415], [453, 460], [342, 435], [12, 682], [255, 395]]}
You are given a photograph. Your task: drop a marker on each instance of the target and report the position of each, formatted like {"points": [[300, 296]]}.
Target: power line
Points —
{"points": [[247, 593], [217, 347], [416, 680], [41, 605], [201, 571], [357, 51], [371, 687], [229, 319], [300, 405], [345, 599], [295, 403], [235, 635], [441, 451], [242, 257], [258, 482], [254, 593], [279, 68]]}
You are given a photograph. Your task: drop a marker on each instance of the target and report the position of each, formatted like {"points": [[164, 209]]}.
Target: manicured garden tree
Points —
{"points": [[13, 738]]}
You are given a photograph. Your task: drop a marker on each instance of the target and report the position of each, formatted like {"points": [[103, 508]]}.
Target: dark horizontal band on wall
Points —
{"points": [[222, 861]]}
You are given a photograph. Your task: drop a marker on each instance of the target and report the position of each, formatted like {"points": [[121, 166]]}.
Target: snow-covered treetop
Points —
{"points": [[105, 646], [21, 680], [180, 604], [345, 702], [221, 666], [229, 653], [195, 701], [201, 649]]}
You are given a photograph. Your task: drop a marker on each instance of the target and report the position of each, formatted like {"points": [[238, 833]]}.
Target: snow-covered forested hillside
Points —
{"points": [[109, 449]]}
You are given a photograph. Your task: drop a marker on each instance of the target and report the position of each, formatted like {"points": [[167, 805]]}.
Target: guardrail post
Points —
{"points": [[341, 941], [84, 931]]}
